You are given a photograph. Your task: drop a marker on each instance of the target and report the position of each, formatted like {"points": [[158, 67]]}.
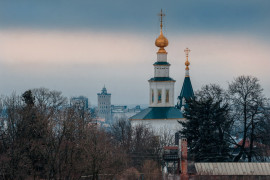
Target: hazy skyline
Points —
{"points": [[78, 46]]}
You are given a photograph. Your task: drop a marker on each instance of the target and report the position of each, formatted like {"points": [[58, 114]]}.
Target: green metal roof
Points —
{"points": [[161, 79], [159, 113], [162, 63]]}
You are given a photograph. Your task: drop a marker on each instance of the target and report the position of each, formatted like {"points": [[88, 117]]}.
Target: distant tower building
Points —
{"points": [[187, 90], [104, 105]]}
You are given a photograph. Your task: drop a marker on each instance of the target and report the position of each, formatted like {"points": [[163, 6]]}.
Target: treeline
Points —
{"points": [[228, 125], [42, 137]]}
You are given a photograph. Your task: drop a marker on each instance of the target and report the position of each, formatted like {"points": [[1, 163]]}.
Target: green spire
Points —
{"points": [[186, 93], [187, 90]]}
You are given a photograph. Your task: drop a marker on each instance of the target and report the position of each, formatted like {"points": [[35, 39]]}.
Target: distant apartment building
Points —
{"points": [[80, 102], [119, 112], [109, 113], [104, 105]]}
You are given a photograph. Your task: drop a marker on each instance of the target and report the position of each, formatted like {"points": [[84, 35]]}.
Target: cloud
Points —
{"points": [[81, 62], [217, 58], [208, 15], [43, 47]]}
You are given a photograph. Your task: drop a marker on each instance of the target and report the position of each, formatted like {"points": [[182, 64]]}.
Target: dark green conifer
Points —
{"points": [[206, 129]]}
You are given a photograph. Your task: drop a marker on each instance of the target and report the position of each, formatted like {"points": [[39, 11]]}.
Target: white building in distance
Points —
{"points": [[80, 102]]}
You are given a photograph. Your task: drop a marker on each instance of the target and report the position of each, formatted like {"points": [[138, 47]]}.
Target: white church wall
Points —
{"points": [[159, 126], [161, 71], [161, 57], [163, 86]]}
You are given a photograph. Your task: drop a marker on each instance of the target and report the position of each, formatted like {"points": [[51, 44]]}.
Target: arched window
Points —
{"points": [[167, 95], [159, 96], [153, 97]]}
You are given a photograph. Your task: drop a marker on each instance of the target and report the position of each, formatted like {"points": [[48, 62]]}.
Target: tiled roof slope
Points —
{"points": [[159, 113]]}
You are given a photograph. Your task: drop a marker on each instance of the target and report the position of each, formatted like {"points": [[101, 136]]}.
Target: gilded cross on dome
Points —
{"points": [[187, 51], [187, 62], [161, 15]]}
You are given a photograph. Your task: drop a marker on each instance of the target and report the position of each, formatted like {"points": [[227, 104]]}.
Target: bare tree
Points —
{"points": [[10, 117], [30, 139], [265, 134], [248, 104], [41, 137], [121, 131], [166, 138], [213, 91], [151, 170], [139, 142]]}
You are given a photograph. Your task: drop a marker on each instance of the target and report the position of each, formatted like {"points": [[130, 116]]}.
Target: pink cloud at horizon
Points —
{"points": [[214, 58]]}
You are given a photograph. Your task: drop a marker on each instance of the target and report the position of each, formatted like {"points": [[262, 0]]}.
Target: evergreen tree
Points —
{"points": [[206, 129], [31, 136]]}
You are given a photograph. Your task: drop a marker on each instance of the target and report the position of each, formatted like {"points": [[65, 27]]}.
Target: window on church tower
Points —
{"points": [[167, 95], [159, 95], [153, 96]]}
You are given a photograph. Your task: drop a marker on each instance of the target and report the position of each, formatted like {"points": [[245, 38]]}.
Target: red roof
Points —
{"points": [[247, 144], [170, 147]]}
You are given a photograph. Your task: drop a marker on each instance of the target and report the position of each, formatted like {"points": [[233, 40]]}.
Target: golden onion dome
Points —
{"points": [[161, 42], [187, 63]]}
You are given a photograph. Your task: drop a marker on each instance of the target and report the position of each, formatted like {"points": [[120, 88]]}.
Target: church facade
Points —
{"points": [[162, 113]]}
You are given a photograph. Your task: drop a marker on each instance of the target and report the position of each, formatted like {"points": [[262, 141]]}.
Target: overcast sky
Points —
{"points": [[77, 46]]}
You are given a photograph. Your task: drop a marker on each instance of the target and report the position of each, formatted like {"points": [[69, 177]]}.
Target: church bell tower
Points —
{"points": [[161, 115], [161, 85]]}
